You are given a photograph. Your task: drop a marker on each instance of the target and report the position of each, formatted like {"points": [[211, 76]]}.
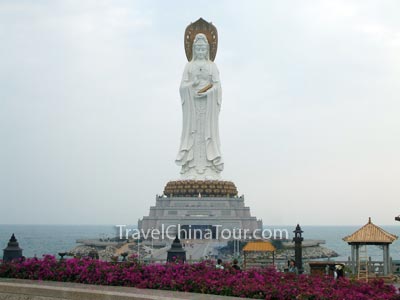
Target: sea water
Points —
{"points": [[37, 240]]}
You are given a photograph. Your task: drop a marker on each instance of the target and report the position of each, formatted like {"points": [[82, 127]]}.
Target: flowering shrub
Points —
{"points": [[199, 278]]}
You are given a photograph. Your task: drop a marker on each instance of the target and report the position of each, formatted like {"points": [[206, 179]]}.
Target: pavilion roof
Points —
{"points": [[370, 233], [259, 246]]}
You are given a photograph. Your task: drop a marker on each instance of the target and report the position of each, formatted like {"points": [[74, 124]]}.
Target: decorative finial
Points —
{"points": [[369, 220]]}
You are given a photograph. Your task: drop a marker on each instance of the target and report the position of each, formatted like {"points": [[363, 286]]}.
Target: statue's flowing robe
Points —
{"points": [[185, 157]]}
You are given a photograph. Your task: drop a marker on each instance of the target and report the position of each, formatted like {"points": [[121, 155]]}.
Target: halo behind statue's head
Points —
{"points": [[209, 30]]}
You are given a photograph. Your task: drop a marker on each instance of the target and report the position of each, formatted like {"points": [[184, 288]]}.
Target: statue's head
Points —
{"points": [[200, 47]]}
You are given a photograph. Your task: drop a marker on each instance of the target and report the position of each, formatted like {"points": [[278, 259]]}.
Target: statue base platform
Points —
{"points": [[200, 205]]}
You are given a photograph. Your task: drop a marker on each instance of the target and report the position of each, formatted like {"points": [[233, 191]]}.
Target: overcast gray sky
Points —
{"points": [[90, 115]]}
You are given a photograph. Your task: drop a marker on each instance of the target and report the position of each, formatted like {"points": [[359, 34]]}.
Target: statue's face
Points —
{"points": [[200, 51]]}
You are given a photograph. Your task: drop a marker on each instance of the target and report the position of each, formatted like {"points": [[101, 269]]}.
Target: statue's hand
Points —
{"points": [[195, 83], [197, 95], [205, 93]]}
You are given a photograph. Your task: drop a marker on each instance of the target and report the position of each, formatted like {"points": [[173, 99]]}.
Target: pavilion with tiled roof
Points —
{"points": [[258, 246], [370, 234]]}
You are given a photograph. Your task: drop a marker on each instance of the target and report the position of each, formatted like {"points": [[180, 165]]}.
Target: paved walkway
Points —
{"points": [[18, 289]]}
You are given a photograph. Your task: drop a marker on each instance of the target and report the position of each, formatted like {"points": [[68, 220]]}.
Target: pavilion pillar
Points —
{"points": [[357, 258], [353, 259], [386, 267]]}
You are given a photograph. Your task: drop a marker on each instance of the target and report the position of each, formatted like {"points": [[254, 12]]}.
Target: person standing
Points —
{"points": [[338, 271], [219, 264], [235, 265], [292, 267]]}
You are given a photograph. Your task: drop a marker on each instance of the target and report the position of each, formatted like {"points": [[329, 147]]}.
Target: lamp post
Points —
{"points": [[234, 242], [138, 250], [152, 245], [297, 248]]}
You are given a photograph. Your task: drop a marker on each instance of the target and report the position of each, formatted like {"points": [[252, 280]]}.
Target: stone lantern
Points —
{"points": [[176, 253], [298, 239], [13, 251]]}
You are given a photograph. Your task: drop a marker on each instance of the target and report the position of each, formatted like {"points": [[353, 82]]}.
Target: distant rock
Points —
{"points": [[310, 252], [82, 251], [108, 253]]}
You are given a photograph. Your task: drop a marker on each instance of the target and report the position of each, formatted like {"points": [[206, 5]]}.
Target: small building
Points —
{"points": [[258, 248], [369, 234]]}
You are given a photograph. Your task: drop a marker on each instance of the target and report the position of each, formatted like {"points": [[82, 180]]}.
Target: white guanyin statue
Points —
{"points": [[199, 153]]}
